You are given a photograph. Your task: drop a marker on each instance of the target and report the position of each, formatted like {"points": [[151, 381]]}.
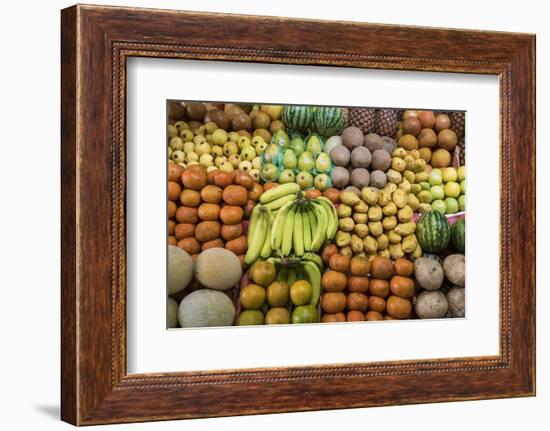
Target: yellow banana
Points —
{"points": [[307, 229], [279, 191], [266, 249], [278, 203], [279, 225], [312, 221], [314, 277], [332, 215], [257, 242], [321, 231], [298, 233], [286, 243], [253, 223]]}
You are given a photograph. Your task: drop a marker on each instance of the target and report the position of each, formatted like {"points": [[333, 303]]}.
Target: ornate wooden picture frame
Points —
{"points": [[96, 42]]}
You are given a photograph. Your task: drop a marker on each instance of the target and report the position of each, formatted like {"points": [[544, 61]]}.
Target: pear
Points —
{"points": [[297, 145], [271, 153], [322, 163], [314, 144], [280, 138], [289, 159], [306, 162]]}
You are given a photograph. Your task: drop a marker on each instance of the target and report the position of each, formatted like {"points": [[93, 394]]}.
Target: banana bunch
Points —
{"points": [[308, 267], [259, 234], [303, 225]]}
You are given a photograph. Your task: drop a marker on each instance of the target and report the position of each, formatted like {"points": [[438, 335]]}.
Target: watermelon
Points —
{"points": [[458, 235], [297, 117], [328, 120], [433, 232]]}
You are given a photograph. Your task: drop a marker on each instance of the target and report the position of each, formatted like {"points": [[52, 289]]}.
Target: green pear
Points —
{"points": [[322, 163], [289, 159], [306, 162], [297, 145], [314, 144]]}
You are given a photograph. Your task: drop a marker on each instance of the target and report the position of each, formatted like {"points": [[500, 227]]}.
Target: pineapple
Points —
{"points": [[387, 122], [457, 124], [364, 118]]}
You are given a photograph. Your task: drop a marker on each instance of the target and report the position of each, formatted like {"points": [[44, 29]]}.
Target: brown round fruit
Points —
{"points": [[219, 117], [190, 245], [447, 139], [235, 195], [425, 154], [355, 316], [441, 158], [333, 318], [209, 212], [172, 208], [377, 304], [328, 251], [357, 301], [215, 243], [373, 315], [426, 118], [207, 231], [262, 273], [379, 287], [223, 179], [241, 178], [427, 138], [334, 281], [399, 308], [339, 263], [409, 142], [231, 231], [237, 246], [174, 172], [277, 316], [332, 195], [333, 302], [194, 177], [231, 214], [187, 215], [261, 120], [403, 267], [411, 126], [171, 227], [211, 194], [358, 283], [360, 265], [255, 192], [190, 198], [382, 267], [184, 230], [241, 122], [442, 121], [195, 111]]}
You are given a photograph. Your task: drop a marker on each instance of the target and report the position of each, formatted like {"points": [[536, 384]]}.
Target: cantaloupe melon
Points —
{"points": [[180, 269], [218, 268], [206, 307]]}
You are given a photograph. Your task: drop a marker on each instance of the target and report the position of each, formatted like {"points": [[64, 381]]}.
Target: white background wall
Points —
{"points": [[29, 215]]}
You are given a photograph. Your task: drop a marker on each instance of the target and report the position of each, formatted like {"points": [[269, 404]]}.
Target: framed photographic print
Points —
{"points": [[293, 207]]}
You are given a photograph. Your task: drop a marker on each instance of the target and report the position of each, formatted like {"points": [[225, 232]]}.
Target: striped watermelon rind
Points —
{"points": [[297, 117], [433, 232], [458, 236], [329, 121]]}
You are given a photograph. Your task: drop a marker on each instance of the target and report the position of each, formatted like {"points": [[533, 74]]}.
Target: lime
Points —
{"points": [[277, 316], [277, 294], [251, 317], [305, 314], [252, 296], [301, 292]]}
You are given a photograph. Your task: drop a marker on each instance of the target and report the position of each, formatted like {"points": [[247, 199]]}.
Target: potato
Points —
{"points": [[207, 231], [342, 238], [369, 195], [370, 244], [456, 299], [428, 273], [431, 305], [390, 209], [404, 229], [396, 251], [360, 218], [405, 185], [399, 197], [390, 188], [389, 223], [409, 243], [398, 307], [375, 228], [375, 213], [361, 230], [209, 212], [349, 198], [235, 195], [454, 267]]}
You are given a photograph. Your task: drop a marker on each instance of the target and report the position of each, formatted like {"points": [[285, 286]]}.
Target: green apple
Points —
{"points": [[425, 185], [306, 162], [425, 197], [290, 161], [452, 189], [304, 179], [439, 205], [463, 187], [232, 136], [462, 202], [449, 174], [287, 176], [461, 173], [248, 153], [230, 148], [435, 177], [243, 142], [451, 205], [437, 192], [322, 162], [270, 172], [219, 137], [321, 182]]}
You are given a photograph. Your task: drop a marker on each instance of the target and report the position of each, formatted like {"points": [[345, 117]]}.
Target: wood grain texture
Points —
{"points": [[96, 42]]}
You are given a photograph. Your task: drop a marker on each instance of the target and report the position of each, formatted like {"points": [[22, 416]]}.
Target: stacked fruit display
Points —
{"points": [[286, 190], [206, 210]]}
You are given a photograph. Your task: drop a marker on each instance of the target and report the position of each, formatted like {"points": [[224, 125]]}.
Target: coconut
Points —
{"points": [[378, 179], [388, 144], [352, 137], [360, 157], [381, 160], [360, 178], [373, 142], [340, 177], [340, 156]]}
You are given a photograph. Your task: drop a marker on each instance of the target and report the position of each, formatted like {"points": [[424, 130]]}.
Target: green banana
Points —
{"points": [[298, 233], [332, 215], [279, 202], [307, 229], [279, 225], [286, 243], [312, 223], [315, 258], [254, 217], [266, 249], [257, 242], [321, 231], [291, 276], [279, 191], [314, 277]]}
